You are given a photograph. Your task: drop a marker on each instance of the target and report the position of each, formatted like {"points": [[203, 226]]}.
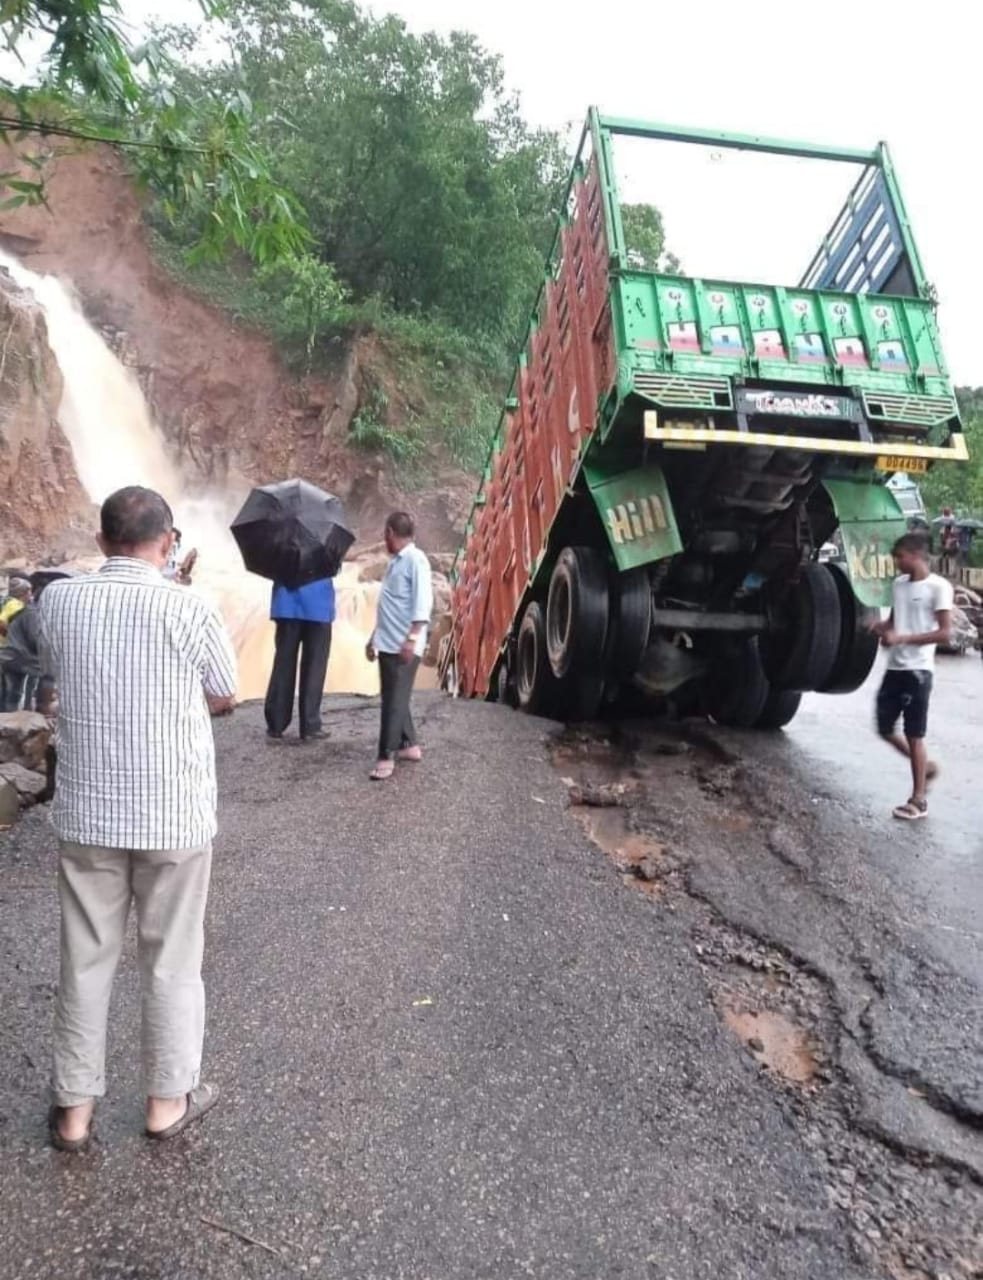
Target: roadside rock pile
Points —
{"points": [[24, 739]]}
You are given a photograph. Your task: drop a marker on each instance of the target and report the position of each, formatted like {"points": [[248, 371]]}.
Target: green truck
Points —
{"points": [[675, 451]]}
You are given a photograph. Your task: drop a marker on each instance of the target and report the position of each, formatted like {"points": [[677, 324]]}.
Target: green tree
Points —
{"points": [[960, 484], [198, 154], [423, 185], [645, 239]]}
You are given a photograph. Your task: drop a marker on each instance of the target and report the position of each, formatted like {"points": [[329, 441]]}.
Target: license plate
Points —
{"points": [[915, 466]]}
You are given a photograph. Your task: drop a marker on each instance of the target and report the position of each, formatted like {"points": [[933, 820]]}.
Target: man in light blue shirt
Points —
{"points": [[399, 641], [303, 617]]}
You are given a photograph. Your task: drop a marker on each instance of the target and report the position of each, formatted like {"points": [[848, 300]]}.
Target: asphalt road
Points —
{"points": [[451, 1042], [940, 862]]}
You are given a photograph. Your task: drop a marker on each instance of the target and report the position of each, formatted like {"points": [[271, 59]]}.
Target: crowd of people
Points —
{"points": [[20, 646], [136, 665]]}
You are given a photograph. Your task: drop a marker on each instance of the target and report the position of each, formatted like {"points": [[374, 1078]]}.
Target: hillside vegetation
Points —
{"points": [[430, 204]]}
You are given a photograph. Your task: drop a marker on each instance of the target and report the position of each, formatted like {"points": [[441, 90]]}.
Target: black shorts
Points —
{"points": [[904, 693]]}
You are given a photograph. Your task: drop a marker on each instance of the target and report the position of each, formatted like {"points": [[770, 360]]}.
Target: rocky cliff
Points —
{"points": [[231, 411], [41, 500]]}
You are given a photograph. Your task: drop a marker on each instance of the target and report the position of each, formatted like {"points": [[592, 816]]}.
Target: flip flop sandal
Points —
{"points": [[200, 1102], [413, 754], [68, 1144], [383, 771], [911, 810]]}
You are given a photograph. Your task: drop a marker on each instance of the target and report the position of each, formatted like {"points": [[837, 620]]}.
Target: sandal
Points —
{"points": [[413, 754], [61, 1143], [200, 1102], [384, 769], [912, 810]]}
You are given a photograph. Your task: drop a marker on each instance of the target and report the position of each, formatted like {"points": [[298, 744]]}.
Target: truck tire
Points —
{"points": [[505, 685], [857, 651], [583, 696], [577, 612], [779, 709], [803, 657], [535, 685], [629, 624], [738, 687]]}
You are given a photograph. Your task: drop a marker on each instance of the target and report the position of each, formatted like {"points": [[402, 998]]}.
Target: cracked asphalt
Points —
{"points": [[452, 1043]]}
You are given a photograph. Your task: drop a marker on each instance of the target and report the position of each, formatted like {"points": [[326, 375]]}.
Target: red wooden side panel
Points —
{"points": [[566, 369]]}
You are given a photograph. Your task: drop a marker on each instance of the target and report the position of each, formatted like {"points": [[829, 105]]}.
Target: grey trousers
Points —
{"points": [[95, 888], [397, 728]]}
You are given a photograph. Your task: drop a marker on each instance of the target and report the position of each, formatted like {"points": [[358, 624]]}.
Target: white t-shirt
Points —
{"points": [[915, 607]]}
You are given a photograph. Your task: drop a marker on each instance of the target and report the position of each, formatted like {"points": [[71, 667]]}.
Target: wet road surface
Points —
{"points": [[941, 860], [454, 1041]]}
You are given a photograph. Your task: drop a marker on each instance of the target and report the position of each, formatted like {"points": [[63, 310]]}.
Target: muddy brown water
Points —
{"points": [[776, 1042]]}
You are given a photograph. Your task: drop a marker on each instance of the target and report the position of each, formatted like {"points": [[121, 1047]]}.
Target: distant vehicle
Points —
{"points": [[963, 635], [909, 499], [675, 451], [832, 552]]}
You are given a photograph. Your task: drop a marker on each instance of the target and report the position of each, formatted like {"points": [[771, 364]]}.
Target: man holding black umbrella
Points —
{"points": [[303, 617], [296, 534]]}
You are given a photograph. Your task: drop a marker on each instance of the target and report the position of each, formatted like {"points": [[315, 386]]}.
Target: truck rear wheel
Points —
{"points": [[577, 612], [505, 685], [857, 651], [629, 624], [738, 688], [583, 696], [779, 709], [535, 685], [802, 657]]}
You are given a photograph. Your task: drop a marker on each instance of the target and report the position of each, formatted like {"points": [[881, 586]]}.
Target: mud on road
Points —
{"points": [[868, 1032]]}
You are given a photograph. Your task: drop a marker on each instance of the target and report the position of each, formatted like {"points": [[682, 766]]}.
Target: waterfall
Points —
{"points": [[115, 442]]}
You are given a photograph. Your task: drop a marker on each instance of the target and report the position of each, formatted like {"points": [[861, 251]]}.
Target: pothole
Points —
{"points": [[775, 1041]]}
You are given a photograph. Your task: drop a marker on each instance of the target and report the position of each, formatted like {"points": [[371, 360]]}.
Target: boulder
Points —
{"points": [[9, 804], [441, 628], [24, 738], [27, 782], [442, 562], [441, 595]]}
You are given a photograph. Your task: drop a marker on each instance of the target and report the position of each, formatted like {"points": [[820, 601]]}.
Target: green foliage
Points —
{"points": [[308, 296], [960, 484], [424, 188], [369, 430], [199, 154], [645, 239]]}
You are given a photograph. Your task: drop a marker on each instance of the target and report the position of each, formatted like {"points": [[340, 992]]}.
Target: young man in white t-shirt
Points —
{"points": [[920, 619]]}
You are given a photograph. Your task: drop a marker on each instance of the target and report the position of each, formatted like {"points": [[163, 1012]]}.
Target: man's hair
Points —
{"points": [[401, 525], [916, 543], [134, 516]]}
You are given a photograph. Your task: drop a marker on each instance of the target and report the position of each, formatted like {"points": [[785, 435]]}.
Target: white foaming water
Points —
{"points": [[115, 442]]}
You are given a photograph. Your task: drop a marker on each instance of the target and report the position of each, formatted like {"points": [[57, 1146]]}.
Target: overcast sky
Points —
{"points": [[845, 73]]}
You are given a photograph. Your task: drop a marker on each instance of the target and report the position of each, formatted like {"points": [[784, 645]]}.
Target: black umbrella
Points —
{"points": [[292, 532], [961, 522], [42, 578]]}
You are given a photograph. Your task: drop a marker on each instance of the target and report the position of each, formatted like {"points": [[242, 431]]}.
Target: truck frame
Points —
{"points": [[674, 451]]}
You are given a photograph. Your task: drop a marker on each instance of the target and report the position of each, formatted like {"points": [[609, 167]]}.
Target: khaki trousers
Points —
{"points": [[95, 888]]}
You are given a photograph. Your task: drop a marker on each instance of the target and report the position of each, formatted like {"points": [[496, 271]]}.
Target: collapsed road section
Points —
{"points": [[815, 967]]}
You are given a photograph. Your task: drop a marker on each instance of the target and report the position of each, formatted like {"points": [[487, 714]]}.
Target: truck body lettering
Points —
{"points": [[636, 518]]}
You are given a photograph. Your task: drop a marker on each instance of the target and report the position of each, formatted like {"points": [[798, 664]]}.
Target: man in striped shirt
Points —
{"points": [[138, 664]]}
